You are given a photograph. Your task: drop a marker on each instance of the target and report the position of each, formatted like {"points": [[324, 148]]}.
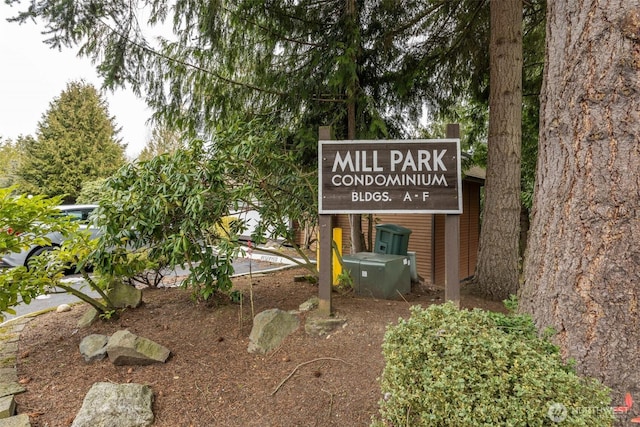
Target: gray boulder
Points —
{"points": [[94, 347], [116, 405], [308, 305], [125, 348], [122, 295], [270, 328]]}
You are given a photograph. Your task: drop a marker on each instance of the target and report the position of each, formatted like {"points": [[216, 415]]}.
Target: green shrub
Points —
{"points": [[451, 367]]}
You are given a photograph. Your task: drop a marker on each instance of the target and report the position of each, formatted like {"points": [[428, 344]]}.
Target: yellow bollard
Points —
{"points": [[336, 267]]}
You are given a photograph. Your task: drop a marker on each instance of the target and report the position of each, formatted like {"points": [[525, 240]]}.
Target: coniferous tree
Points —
{"points": [[163, 140], [582, 269], [497, 268], [76, 142]]}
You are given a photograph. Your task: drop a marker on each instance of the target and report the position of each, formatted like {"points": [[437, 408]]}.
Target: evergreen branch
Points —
{"points": [[415, 20], [168, 58], [153, 52], [271, 32]]}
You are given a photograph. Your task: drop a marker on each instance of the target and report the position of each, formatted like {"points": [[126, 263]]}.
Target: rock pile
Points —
{"points": [[130, 405], [123, 348]]}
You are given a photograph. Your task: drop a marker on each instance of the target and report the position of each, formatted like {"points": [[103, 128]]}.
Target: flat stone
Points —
{"points": [[8, 348], [19, 325], [8, 361], [21, 420], [116, 405], [7, 389], [8, 375], [7, 406], [9, 337]]}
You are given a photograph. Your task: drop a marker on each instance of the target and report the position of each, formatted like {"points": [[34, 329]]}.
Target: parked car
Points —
{"points": [[80, 213]]}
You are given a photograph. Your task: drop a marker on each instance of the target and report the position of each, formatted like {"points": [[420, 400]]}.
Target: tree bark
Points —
{"points": [[355, 220], [497, 268], [582, 268]]}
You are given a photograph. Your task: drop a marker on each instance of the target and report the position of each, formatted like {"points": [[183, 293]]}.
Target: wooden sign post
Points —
{"points": [[325, 223]]}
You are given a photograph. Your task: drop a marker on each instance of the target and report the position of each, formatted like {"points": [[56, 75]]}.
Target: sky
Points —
{"points": [[32, 75]]}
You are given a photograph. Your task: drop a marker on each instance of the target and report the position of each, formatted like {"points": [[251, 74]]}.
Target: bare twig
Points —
{"points": [[402, 296], [300, 366]]}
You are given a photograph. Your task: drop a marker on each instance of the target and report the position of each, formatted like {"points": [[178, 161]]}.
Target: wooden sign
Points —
{"points": [[395, 176]]}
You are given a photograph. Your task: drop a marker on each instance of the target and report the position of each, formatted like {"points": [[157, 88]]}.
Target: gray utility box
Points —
{"points": [[379, 275], [392, 239]]}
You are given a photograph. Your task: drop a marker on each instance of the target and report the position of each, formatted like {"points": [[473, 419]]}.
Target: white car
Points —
{"points": [[79, 213]]}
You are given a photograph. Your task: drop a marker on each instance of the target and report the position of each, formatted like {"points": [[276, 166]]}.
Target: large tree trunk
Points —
{"points": [[497, 269], [355, 220], [582, 269]]}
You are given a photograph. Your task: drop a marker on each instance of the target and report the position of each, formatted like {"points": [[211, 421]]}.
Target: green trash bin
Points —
{"points": [[392, 239]]}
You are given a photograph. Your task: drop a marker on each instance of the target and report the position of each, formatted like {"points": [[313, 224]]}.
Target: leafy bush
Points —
{"points": [[273, 179], [179, 207], [451, 367], [166, 211]]}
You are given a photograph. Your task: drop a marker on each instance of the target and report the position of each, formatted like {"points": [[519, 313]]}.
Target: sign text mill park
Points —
{"points": [[419, 176]]}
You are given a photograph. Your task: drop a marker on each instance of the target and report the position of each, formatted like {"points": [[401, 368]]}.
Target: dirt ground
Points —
{"points": [[210, 378]]}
